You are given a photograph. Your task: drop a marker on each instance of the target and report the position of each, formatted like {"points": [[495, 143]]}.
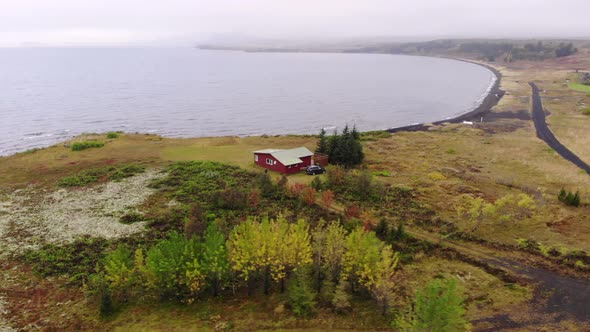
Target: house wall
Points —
{"points": [[262, 161]]}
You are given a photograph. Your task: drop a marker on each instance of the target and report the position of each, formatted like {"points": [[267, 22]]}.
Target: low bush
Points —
{"points": [[436, 176], [528, 245], [586, 111], [77, 259], [112, 135], [79, 146], [382, 173], [126, 171], [31, 151], [91, 176], [131, 217]]}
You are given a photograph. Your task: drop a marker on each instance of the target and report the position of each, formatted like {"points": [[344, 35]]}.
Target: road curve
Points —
{"points": [[545, 134]]}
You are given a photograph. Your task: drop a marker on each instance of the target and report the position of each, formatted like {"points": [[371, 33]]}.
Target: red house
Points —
{"points": [[284, 161]]}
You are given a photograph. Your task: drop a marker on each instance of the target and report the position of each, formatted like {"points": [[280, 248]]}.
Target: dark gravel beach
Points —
{"points": [[489, 101]]}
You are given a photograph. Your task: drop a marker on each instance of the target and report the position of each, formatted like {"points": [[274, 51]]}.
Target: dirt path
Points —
{"points": [[556, 298], [544, 133]]}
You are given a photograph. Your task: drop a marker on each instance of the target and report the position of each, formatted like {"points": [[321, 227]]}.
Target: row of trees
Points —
{"points": [[325, 265], [344, 149], [507, 208]]}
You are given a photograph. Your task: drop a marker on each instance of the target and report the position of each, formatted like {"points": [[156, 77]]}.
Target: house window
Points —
{"points": [[269, 161], [256, 158]]}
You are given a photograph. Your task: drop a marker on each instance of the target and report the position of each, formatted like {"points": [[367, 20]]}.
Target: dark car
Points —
{"points": [[315, 169]]}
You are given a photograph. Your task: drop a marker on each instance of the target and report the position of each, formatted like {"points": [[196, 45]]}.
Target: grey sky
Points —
{"points": [[184, 22]]}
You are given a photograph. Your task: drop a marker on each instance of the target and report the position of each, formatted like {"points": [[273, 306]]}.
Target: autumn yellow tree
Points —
{"points": [[363, 253], [382, 281], [271, 246]]}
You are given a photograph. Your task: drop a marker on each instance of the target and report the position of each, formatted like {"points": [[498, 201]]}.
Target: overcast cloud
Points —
{"points": [[185, 22]]}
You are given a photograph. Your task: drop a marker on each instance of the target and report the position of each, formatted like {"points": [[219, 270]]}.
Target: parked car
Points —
{"points": [[315, 169]]}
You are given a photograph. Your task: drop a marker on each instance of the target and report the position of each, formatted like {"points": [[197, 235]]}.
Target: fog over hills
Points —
{"points": [[184, 22]]}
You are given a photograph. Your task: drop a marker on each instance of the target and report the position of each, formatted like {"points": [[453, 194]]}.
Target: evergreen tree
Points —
{"points": [[345, 149], [118, 266], [167, 265], [323, 144], [355, 134], [341, 299], [215, 257], [300, 294], [382, 230], [267, 188], [317, 184], [438, 307]]}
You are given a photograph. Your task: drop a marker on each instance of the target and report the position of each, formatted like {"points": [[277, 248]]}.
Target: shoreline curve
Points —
{"points": [[490, 100]]}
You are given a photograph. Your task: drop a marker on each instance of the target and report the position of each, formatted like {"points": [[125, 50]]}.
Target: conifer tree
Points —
{"points": [[215, 257], [322, 146], [438, 307], [118, 266], [300, 293], [341, 299]]}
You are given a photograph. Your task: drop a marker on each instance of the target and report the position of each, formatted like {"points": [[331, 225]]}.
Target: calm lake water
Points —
{"points": [[48, 95]]}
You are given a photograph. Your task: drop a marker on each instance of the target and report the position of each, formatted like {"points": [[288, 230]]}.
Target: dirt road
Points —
{"points": [[544, 133], [556, 298]]}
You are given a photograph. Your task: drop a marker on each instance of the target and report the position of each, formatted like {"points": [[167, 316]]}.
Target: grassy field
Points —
{"points": [[490, 159], [580, 87], [46, 166]]}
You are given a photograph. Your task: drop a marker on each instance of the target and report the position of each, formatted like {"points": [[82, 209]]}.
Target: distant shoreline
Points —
{"points": [[489, 101]]}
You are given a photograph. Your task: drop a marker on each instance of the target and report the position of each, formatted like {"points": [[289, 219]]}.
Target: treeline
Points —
{"points": [[489, 50], [344, 149], [323, 266], [512, 51]]}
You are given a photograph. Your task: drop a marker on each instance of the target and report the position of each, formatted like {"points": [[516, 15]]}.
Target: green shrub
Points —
{"points": [[79, 146], [76, 260], [80, 180], [131, 217], [317, 184], [586, 111], [382, 173], [91, 176], [451, 151], [569, 198], [112, 135], [580, 265], [528, 245], [436, 176], [126, 171]]}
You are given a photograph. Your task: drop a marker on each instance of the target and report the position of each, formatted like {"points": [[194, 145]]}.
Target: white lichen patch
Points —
{"points": [[4, 325], [30, 218]]}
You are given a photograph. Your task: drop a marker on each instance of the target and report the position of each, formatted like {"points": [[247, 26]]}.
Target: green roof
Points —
{"points": [[288, 157]]}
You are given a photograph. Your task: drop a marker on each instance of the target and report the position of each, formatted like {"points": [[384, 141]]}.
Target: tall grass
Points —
{"points": [[79, 146]]}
